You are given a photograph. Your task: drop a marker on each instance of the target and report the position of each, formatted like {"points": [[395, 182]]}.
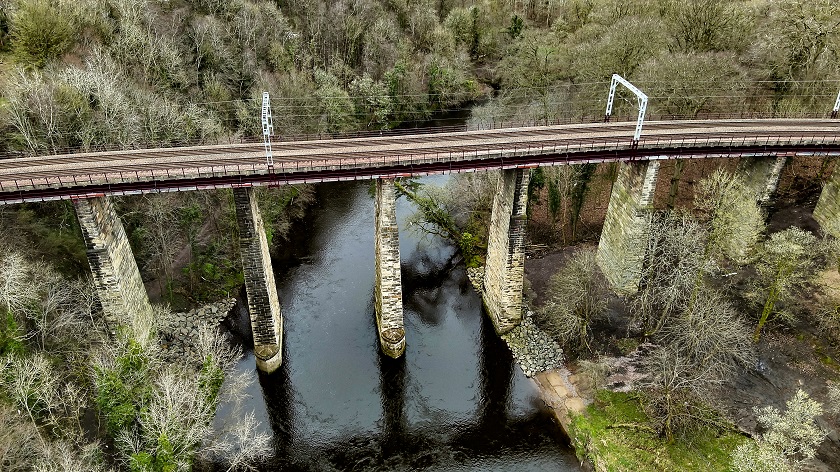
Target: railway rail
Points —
{"points": [[67, 176]]}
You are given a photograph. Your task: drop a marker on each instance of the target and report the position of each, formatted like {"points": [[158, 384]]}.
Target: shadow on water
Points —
{"points": [[456, 401]]}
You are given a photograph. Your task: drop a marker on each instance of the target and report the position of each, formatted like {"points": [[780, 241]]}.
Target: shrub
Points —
{"points": [[41, 31]]}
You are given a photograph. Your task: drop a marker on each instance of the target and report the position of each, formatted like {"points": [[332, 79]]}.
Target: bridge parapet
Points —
{"points": [[194, 168]]}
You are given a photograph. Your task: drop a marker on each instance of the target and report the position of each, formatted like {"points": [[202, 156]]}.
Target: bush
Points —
{"points": [[41, 30], [10, 336]]}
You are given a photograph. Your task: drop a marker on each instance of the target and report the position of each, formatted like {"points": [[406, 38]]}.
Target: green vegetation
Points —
{"points": [[92, 74], [686, 307], [613, 434], [791, 438], [787, 265], [59, 361], [460, 212]]}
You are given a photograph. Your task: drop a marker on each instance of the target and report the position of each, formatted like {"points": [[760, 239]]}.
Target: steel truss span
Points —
{"points": [[80, 175]]}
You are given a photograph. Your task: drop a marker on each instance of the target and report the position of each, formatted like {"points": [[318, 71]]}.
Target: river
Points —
{"points": [[455, 402]]}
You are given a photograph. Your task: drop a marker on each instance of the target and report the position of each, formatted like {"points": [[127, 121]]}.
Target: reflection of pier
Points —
{"points": [[398, 445]]}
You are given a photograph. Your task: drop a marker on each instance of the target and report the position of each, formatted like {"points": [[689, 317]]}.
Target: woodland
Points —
{"points": [[77, 395]]}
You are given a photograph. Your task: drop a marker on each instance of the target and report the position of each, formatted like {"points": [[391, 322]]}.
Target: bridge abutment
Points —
{"points": [[504, 270], [621, 249], [762, 175], [389, 308], [827, 211], [263, 301], [115, 274]]}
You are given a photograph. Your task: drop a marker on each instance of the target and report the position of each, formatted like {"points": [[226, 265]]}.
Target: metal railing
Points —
{"points": [[513, 155]]}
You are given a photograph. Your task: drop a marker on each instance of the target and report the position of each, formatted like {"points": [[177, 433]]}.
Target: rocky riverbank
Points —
{"points": [[533, 349], [179, 332]]}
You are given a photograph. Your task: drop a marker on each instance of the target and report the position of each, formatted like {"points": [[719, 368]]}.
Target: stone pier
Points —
{"points": [[389, 308], [621, 249], [504, 268], [827, 212], [762, 175], [263, 302], [115, 273]]}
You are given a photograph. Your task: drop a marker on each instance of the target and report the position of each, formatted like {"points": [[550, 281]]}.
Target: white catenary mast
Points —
{"points": [[642, 98]]}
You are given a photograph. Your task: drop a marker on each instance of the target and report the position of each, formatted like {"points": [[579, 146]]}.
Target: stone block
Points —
{"points": [[762, 175]]}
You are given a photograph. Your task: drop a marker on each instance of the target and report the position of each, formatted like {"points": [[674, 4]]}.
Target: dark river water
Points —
{"points": [[455, 402]]}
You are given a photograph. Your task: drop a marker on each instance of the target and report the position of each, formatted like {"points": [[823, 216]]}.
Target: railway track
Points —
{"points": [[65, 175]]}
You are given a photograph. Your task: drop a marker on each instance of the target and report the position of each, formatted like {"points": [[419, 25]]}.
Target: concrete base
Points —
{"points": [[504, 270], [621, 249], [388, 290], [827, 211], [115, 274], [263, 302]]}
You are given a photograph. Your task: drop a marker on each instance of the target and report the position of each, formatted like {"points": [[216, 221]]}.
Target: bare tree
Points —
{"points": [[711, 336], [242, 446], [578, 298], [675, 265], [16, 289], [674, 390], [19, 440]]}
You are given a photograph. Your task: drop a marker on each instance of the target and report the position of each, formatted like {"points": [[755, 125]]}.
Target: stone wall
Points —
{"points": [[762, 175], [115, 273], [263, 302], [827, 212], [388, 290], [621, 249], [504, 268]]}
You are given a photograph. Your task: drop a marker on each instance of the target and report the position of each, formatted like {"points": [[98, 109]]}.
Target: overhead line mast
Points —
{"points": [[640, 96], [267, 128]]}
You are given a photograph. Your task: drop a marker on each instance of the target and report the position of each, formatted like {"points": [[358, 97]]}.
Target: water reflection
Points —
{"points": [[456, 401]]}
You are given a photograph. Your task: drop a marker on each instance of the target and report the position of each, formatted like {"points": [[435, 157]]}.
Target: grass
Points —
{"points": [[613, 435]]}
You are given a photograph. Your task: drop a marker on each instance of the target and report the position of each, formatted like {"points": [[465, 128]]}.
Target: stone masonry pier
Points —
{"points": [[263, 302], [827, 211], [389, 309], [762, 175], [621, 249], [504, 268], [115, 273]]}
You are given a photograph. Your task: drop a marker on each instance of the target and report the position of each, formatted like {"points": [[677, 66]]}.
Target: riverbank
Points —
{"points": [[607, 424]]}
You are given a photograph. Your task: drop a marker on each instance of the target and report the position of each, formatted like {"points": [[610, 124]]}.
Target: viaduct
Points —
{"points": [[90, 179]]}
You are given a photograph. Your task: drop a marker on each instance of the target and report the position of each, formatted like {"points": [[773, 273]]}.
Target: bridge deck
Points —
{"points": [[66, 176]]}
